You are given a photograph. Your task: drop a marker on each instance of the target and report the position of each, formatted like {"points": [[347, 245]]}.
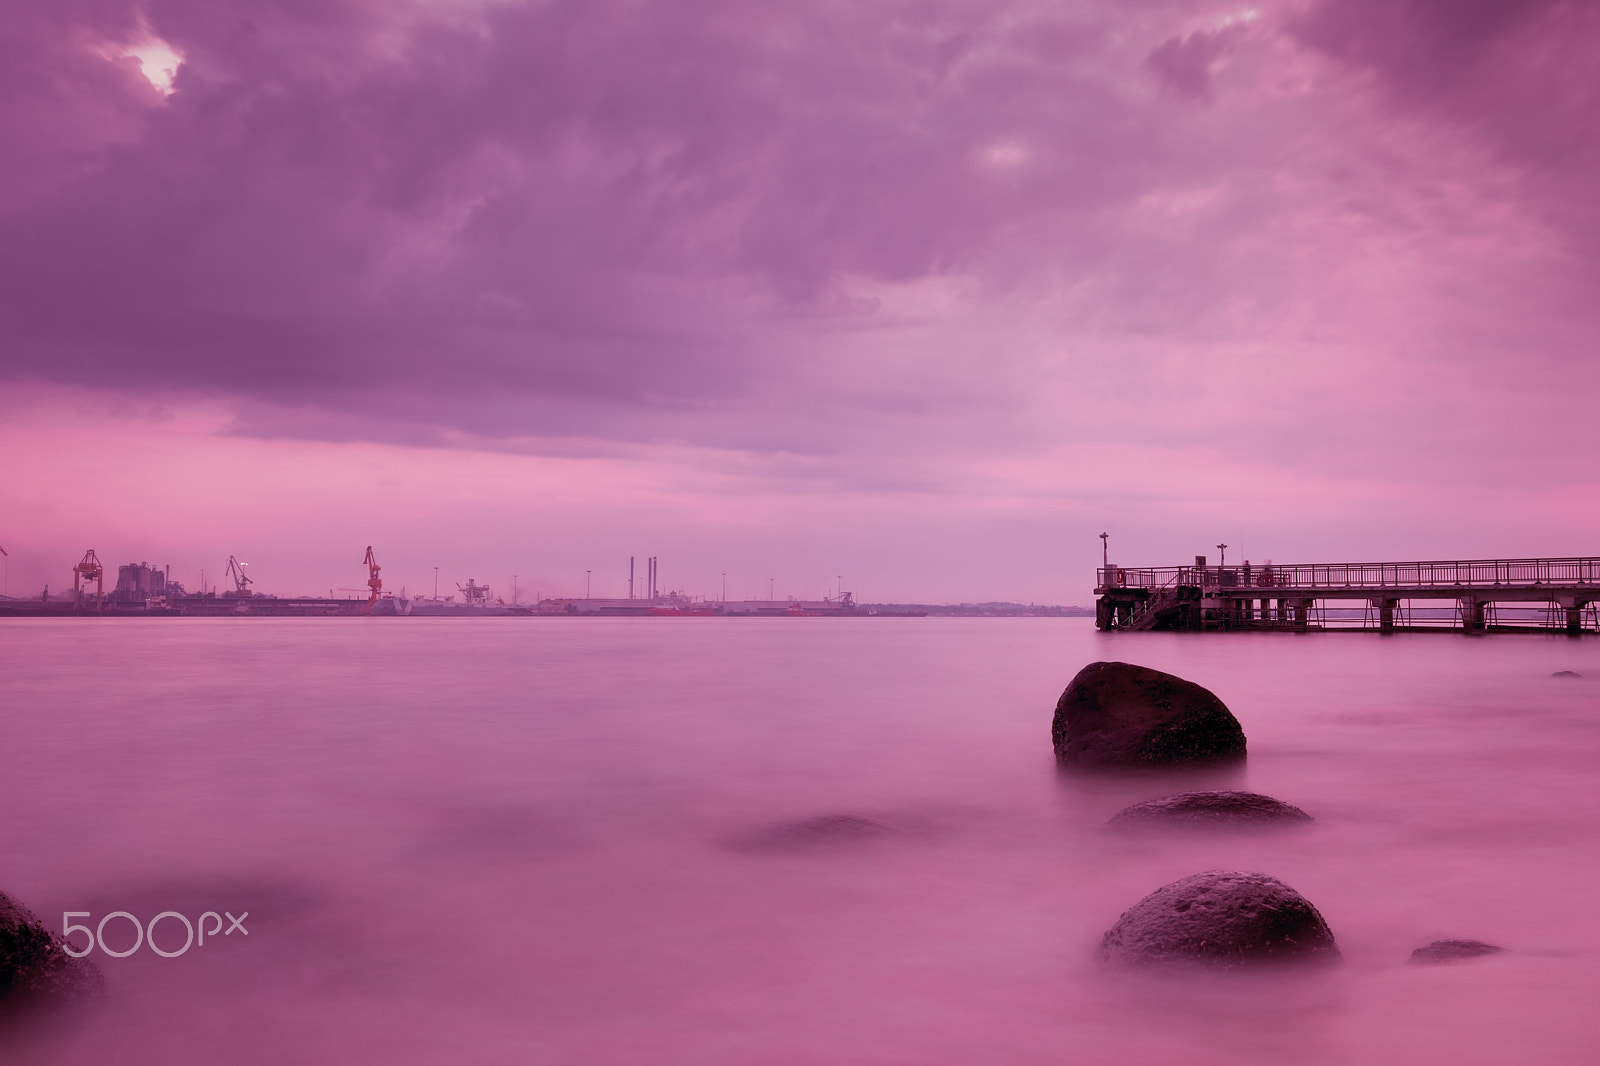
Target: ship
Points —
{"points": [[476, 602]]}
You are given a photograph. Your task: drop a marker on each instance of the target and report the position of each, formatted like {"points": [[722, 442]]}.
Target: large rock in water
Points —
{"points": [[36, 973], [1120, 716], [1223, 920], [1218, 809]]}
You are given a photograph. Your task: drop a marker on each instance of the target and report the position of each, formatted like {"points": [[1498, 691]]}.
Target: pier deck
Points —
{"points": [[1548, 594]]}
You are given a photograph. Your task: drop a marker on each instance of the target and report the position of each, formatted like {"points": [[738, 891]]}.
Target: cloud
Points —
{"points": [[541, 188], [865, 231], [1183, 64], [1423, 45]]}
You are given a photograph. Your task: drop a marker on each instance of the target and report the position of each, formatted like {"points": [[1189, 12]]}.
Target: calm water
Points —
{"points": [[525, 841]]}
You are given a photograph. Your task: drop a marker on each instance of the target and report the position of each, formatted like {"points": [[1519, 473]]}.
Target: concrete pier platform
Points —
{"points": [[1548, 594]]}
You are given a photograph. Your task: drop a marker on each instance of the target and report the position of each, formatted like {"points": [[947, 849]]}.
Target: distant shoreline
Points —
{"points": [[293, 608], [998, 609]]}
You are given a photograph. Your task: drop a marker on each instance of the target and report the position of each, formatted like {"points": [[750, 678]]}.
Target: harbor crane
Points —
{"points": [[241, 583], [374, 582], [88, 568]]}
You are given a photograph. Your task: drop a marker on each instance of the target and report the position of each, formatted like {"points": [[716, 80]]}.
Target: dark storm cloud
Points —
{"points": [[1420, 44], [537, 197], [1183, 64], [1521, 72], [669, 220], [1516, 77]]}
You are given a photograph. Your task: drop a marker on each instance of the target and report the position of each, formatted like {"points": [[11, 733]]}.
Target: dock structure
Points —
{"points": [[1474, 595]]}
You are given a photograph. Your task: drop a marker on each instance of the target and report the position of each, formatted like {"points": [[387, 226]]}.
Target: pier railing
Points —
{"points": [[1459, 573]]}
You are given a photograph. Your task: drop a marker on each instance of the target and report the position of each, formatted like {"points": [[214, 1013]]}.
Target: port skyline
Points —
{"points": [[239, 581]]}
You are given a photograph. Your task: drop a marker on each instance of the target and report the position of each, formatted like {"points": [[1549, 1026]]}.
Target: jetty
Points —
{"points": [[1471, 595]]}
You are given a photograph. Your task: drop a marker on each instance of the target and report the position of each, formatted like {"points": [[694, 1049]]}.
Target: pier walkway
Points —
{"points": [[1475, 595]]}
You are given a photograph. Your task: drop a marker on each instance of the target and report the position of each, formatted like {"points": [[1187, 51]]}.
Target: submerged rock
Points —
{"points": [[1222, 808], [1566, 673], [1441, 951], [823, 831], [1120, 716], [1220, 920], [36, 973]]}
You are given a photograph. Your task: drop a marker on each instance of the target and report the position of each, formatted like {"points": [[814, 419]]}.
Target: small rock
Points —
{"points": [[1220, 920], [1442, 951], [1566, 673], [36, 973], [1222, 808], [823, 831], [1120, 716]]}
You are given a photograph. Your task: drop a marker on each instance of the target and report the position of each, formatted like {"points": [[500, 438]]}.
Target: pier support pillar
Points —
{"points": [[1385, 614], [1574, 608], [1472, 615], [1301, 609]]}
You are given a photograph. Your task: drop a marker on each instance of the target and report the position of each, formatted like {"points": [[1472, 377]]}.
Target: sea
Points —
{"points": [[775, 842]]}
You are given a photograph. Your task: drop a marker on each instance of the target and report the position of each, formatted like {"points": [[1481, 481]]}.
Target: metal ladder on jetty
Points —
{"points": [[1160, 607]]}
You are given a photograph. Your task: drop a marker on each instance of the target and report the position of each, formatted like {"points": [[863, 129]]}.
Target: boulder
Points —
{"points": [[1219, 809], [1220, 920], [1441, 951], [1120, 716], [35, 970], [1566, 673]]}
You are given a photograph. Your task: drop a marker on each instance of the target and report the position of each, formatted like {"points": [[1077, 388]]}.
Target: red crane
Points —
{"points": [[374, 582], [89, 568]]}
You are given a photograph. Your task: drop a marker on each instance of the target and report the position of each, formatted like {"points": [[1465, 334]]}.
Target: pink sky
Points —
{"points": [[924, 294]]}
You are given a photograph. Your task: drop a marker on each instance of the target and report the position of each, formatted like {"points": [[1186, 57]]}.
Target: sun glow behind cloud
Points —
{"points": [[158, 62]]}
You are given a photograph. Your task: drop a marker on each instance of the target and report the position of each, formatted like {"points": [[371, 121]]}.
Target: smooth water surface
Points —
{"points": [[553, 841]]}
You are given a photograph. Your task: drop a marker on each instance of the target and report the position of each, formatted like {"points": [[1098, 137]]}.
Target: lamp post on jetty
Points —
{"points": [[1222, 555]]}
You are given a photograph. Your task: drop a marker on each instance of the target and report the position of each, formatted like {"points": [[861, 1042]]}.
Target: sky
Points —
{"points": [[909, 297]]}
